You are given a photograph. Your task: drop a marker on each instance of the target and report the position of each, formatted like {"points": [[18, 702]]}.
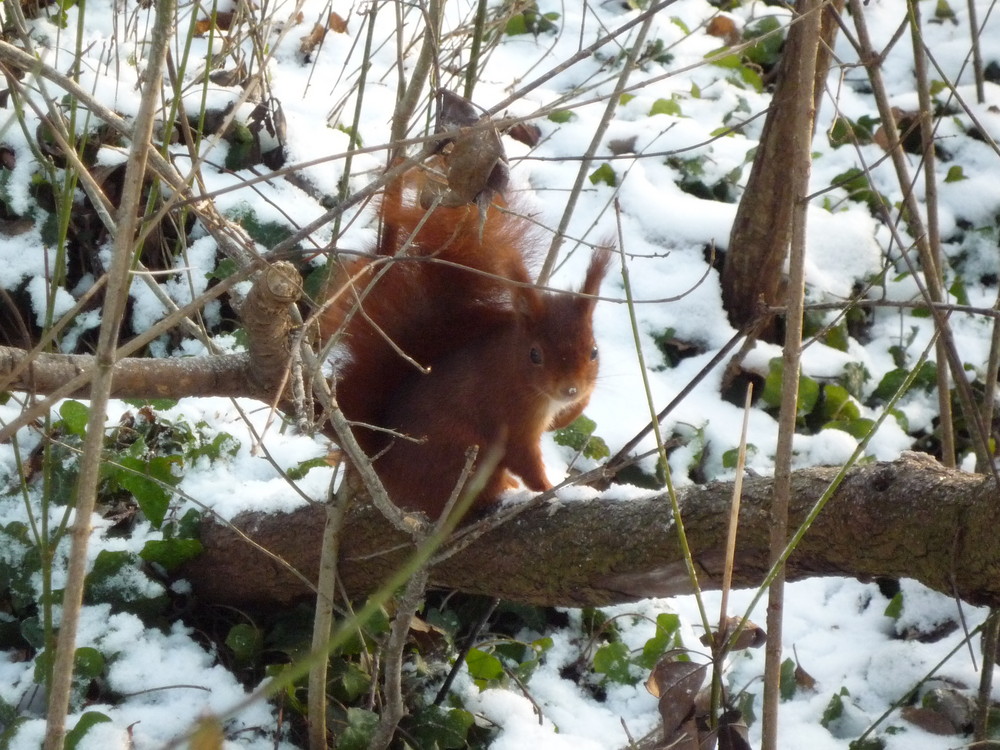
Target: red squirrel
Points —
{"points": [[499, 393], [504, 361], [435, 283]]}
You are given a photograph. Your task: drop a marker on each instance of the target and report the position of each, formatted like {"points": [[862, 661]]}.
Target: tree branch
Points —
{"points": [[909, 518], [135, 377]]}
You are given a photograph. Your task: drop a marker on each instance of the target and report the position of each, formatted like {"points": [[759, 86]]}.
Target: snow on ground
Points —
{"points": [[836, 629]]}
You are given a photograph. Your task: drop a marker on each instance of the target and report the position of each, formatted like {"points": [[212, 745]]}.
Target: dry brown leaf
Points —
{"points": [[526, 133], [725, 28], [928, 719], [752, 635], [312, 40], [336, 23]]}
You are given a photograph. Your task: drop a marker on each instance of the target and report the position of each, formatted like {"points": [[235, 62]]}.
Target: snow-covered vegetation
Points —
{"points": [[311, 89]]}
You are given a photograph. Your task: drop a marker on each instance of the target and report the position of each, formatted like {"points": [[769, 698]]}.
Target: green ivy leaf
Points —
{"points": [[837, 404], [959, 292], [665, 107], [245, 641], [152, 498], [83, 725], [579, 436], [856, 428], [731, 456], [730, 61], [766, 51], [955, 174], [302, 468], [606, 174], [75, 417], [435, 726], [117, 578], [786, 680], [895, 607], [347, 681], [808, 389], [170, 553], [667, 627], [360, 729], [835, 708], [562, 116], [88, 663], [612, 660], [483, 667]]}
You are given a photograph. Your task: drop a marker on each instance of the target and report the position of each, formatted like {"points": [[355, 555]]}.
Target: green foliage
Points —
{"points": [[895, 607], [302, 468], [118, 578], [925, 380], [667, 636], [846, 131], [613, 660], [347, 680], [170, 553], [359, 729], [955, 174], [619, 664], [606, 174], [484, 668], [267, 233], [771, 395], [531, 21], [822, 406], [691, 173], [83, 725], [859, 189], [579, 435], [767, 49], [666, 107], [447, 729], [835, 708], [245, 641], [74, 417], [731, 456], [786, 680]]}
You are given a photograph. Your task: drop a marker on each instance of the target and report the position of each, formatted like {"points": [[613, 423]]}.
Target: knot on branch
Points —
{"points": [[267, 318]]}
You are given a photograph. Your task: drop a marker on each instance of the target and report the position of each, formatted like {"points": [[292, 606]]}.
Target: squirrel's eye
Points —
{"points": [[536, 355], [593, 353]]}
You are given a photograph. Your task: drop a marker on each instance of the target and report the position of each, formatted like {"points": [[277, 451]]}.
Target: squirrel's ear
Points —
{"points": [[600, 262]]}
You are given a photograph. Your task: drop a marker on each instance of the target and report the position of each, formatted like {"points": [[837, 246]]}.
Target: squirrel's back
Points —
{"points": [[436, 282]]}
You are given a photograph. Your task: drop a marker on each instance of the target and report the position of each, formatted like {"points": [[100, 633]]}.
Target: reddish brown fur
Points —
{"points": [[495, 394], [476, 332], [427, 308]]}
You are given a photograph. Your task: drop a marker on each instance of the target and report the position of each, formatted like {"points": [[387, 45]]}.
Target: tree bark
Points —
{"points": [[909, 518], [134, 377], [758, 244]]}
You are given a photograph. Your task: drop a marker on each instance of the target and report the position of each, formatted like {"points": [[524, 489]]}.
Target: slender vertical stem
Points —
{"points": [[946, 420], [112, 314], [336, 509], [800, 66]]}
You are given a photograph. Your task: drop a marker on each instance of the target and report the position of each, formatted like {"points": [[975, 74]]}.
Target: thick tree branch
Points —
{"points": [[135, 377], [266, 317], [909, 518]]}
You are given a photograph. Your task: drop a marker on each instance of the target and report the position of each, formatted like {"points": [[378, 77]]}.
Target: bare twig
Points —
{"points": [[114, 306]]}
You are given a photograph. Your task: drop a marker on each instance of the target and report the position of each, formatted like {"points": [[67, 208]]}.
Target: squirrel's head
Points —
{"points": [[559, 350]]}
